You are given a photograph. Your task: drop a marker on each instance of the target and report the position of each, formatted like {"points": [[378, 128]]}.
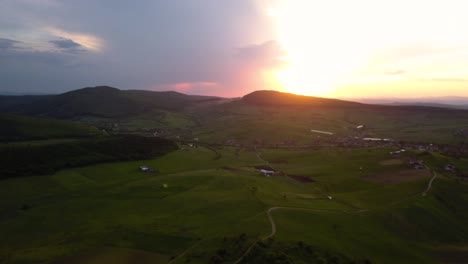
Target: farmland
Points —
{"points": [[195, 210], [251, 180]]}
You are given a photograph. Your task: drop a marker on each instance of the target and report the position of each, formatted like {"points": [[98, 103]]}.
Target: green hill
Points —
{"points": [[251, 118], [16, 127], [274, 98], [101, 101], [276, 118]]}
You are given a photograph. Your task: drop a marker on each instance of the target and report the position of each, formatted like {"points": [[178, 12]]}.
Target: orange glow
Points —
{"points": [[339, 48]]}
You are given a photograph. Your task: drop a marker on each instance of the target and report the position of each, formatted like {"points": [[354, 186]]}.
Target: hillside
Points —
{"points": [[274, 98], [16, 127], [200, 210], [36, 159], [331, 198], [276, 118], [101, 101], [251, 118]]}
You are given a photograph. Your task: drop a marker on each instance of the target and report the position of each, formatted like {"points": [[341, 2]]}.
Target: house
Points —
{"points": [[450, 168], [417, 164], [267, 173], [146, 169]]}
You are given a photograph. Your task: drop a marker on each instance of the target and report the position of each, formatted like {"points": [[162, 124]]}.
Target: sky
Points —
{"points": [[333, 48]]}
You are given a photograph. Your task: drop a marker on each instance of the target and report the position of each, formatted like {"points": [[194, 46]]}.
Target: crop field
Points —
{"points": [[205, 207]]}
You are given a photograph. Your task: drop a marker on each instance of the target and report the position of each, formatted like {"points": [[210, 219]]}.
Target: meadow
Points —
{"points": [[206, 207], [244, 123]]}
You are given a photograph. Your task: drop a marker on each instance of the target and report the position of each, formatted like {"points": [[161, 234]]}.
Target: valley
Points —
{"points": [[233, 181]]}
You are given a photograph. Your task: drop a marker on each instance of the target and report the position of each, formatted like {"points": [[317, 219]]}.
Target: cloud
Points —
{"points": [[62, 54], [153, 45], [8, 43], [65, 44], [86, 41]]}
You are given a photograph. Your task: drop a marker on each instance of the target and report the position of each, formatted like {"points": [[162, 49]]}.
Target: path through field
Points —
{"points": [[429, 185], [273, 224]]}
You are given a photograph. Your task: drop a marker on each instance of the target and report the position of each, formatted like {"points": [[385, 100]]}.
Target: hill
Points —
{"points": [[101, 101], [36, 159], [38, 145], [274, 98], [271, 117], [332, 198], [251, 118], [16, 127]]}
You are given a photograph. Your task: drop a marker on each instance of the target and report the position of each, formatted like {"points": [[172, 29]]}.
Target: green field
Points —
{"points": [[246, 123], [262, 116], [205, 199], [203, 207]]}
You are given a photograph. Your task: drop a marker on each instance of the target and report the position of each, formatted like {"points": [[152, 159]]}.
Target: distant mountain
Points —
{"points": [[429, 104], [275, 98], [441, 102], [101, 101]]}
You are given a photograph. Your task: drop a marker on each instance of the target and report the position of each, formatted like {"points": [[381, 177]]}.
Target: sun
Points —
{"points": [[297, 80], [320, 55]]}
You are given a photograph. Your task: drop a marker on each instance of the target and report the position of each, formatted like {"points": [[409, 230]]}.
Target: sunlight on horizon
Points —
{"points": [[334, 45]]}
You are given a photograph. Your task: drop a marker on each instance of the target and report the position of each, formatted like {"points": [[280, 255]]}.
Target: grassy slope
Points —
{"points": [[15, 127], [256, 116], [91, 211], [102, 102], [28, 159], [246, 122]]}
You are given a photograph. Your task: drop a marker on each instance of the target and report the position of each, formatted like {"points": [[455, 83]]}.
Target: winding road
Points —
{"points": [[273, 224], [429, 185]]}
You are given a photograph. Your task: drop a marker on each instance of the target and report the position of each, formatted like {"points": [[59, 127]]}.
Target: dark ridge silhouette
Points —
{"points": [[100, 101], [275, 98], [280, 99]]}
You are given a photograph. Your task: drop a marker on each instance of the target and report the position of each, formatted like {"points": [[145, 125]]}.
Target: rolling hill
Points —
{"points": [[101, 101], [274, 98], [71, 198], [243, 120], [275, 118], [16, 127]]}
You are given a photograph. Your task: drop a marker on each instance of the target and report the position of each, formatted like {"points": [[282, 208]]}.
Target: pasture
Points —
{"points": [[206, 208]]}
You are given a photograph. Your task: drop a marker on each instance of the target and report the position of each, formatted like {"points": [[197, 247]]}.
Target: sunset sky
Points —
{"points": [[333, 48]]}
